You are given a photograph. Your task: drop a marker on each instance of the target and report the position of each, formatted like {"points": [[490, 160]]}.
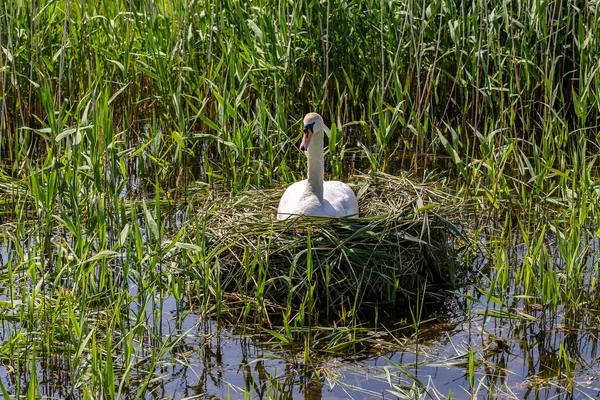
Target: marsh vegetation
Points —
{"points": [[143, 147]]}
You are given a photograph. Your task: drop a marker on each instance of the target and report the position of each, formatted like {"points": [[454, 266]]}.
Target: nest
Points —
{"points": [[401, 243]]}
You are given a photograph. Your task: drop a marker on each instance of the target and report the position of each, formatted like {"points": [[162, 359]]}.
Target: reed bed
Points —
{"points": [[110, 111]]}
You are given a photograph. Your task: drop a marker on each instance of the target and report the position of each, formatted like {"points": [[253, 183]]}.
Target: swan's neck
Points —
{"points": [[315, 165]]}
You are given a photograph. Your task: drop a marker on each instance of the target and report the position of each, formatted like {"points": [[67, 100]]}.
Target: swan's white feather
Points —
{"points": [[338, 201]]}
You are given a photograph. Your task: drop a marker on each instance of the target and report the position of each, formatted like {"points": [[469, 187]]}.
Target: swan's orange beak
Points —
{"points": [[308, 132], [306, 139]]}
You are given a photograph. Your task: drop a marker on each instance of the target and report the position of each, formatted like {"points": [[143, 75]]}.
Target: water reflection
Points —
{"points": [[486, 349], [512, 358]]}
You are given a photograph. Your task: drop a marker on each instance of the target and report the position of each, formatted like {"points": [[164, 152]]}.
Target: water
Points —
{"points": [[513, 356]]}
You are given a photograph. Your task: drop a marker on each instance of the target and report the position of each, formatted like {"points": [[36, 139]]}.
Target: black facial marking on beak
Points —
{"points": [[308, 127]]}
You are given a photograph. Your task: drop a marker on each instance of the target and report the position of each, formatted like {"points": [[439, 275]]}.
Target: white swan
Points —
{"points": [[312, 196]]}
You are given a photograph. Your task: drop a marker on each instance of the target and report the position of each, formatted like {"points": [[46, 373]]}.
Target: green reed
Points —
{"points": [[234, 76]]}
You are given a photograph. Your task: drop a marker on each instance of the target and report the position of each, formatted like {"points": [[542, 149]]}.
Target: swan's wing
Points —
{"points": [[351, 204], [341, 198], [289, 200]]}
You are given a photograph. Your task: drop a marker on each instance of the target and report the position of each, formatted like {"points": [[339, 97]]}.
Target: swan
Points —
{"points": [[312, 196]]}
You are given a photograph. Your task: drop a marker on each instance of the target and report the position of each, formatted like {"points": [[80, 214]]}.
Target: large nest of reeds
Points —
{"points": [[400, 245]]}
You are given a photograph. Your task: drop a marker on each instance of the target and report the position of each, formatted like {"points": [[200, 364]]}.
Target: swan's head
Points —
{"points": [[313, 124]]}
